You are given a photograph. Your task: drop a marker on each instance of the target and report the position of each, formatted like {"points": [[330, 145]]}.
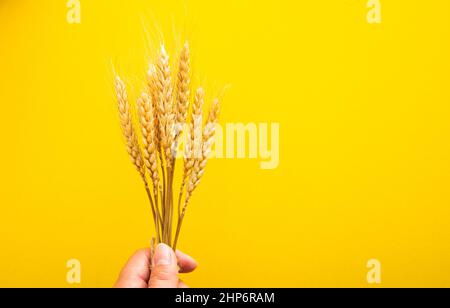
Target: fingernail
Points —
{"points": [[163, 255]]}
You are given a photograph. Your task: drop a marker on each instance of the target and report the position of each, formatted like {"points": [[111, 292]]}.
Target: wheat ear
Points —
{"points": [[192, 144], [132, 143], [149, 140], [196, 146], [147, 120], [165, 108], [187, 168], [166, 118], [154, 94], [153, 90], [209, 132], [193, 157], [128, 129], [207, 141], [183, 92]]}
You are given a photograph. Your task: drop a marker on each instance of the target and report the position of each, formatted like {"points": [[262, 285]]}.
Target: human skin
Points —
{"points": [[161, 272]]}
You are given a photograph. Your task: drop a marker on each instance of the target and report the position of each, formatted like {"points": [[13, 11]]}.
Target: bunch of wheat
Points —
{"points": [[163, 109]]}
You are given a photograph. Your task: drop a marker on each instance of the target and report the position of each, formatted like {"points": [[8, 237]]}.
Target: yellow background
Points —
{"points": [[364, 155]]}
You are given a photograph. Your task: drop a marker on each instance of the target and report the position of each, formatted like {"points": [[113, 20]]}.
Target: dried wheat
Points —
{"points": [[149, 139], [165, 108], [197, 141], [196, 167], [153, 92], [127, 127], [162, 114], [183, 91], [208, 134]]}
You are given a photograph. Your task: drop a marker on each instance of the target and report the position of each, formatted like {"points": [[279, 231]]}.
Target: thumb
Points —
{"points": [[164, 268]]}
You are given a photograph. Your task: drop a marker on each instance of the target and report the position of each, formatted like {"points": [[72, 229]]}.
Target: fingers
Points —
{"points": [[186, 263], [136, 272], [164, 268]]}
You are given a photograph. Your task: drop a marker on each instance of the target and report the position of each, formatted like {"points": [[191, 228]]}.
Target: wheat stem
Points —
{"points": [[130, 136], [201, 151], [149, 140]]}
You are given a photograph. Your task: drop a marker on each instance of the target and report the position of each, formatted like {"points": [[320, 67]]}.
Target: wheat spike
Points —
{"points": [[196, 151], [208, 139], [152, 83], [209, 134], [183, 92], [195, 166], [192, 136], [166, 116], [188, 158], [153, 92], [127, 127], [197, 121], [149, 139]]}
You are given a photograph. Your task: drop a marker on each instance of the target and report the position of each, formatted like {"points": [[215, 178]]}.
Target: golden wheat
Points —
{"points": [[193, 143], [197, 142], [153, 92], [127, 127], [183, 91], [208, 134], [131, 140], [149, 138], [166, 116], [162, 113]]}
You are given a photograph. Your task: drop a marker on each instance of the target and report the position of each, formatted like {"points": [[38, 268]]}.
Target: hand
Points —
{"points": [[165, 268]]}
